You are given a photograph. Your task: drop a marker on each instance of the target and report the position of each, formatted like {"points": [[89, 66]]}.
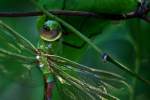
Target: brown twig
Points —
{"points": [[141, 13], [74, 13], [39, 13]]}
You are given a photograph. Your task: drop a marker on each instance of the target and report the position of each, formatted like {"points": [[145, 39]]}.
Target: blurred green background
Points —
{"points": [[127, 41]]}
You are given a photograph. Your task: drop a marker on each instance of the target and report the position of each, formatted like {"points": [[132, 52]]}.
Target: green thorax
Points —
{"points": [[50, 32]]}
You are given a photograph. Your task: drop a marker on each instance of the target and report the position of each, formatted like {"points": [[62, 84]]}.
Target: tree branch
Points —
{"points": [[76, 13], [141, 13], [39, 13]]}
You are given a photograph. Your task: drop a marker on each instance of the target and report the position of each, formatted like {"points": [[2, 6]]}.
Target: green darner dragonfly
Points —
{"points": [[71, 80]]}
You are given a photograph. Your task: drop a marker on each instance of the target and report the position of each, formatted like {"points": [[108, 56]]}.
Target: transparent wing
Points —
{"points": [[17, 57], [80, 82], [16, 68], [20, 77], [13, 37], [18, 82]]}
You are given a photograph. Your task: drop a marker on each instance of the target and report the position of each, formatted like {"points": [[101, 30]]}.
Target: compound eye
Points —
{"points": [[46, 28], [51, 31]]}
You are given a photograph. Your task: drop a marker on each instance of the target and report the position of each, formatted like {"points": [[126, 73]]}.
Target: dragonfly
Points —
{"points": [[73, 81]]}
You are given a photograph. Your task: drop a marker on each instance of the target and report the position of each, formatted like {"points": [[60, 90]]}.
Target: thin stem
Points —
{"points": [[123, 67], [137, 66]]}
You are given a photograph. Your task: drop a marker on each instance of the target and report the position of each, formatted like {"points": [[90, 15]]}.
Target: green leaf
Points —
{"points": [[99, 6], [140, 34]]}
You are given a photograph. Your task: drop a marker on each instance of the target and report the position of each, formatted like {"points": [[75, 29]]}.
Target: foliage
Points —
{"points": [[127, 41]]}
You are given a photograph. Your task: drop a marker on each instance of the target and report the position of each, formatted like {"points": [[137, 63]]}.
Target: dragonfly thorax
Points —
{"points": [[43, 64]]}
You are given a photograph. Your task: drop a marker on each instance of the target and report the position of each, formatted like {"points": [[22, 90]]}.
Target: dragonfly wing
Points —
{"points": [[13, 56], [19, 75], [80, 84], [19, 83], [18, 39], [15, 70]]}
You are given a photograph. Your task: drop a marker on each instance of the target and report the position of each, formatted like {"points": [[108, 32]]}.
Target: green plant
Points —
{"points": [[106, 41]]}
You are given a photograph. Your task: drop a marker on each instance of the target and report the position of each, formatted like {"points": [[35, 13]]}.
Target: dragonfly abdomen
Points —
{"points": [[49, 84], [49, 89]]}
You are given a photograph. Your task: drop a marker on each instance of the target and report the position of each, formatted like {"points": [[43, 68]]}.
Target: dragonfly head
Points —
{"points": [[51, 31]]}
